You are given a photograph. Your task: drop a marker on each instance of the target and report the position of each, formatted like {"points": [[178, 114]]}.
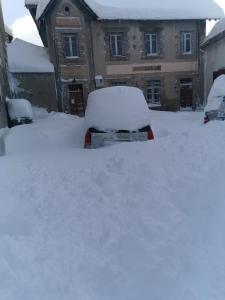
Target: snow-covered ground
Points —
{"points": [[126, 222]]}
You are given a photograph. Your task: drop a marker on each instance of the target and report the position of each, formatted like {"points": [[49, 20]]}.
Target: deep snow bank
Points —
{"points": [[132, 221]]}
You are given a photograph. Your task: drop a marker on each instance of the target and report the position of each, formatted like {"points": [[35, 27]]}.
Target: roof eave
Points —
{"points": [[214, 39]]}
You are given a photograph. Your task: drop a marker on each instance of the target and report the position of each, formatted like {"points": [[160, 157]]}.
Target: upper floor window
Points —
{"points": [[116, 46], [151, 44], [71, 46], [186, 41]]}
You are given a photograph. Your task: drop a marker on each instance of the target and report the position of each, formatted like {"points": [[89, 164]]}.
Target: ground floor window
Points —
{"points": [[153, 92]]}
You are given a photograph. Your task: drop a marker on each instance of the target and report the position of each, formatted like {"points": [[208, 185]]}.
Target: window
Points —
{"points": [[186, 42], [116, 47], [119, 83], [153, 92], [151, 44], [71, 46]]}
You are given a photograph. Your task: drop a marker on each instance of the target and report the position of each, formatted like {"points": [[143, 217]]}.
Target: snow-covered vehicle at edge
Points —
{"points": [[215, 108], [19, 111], [116, 114]]}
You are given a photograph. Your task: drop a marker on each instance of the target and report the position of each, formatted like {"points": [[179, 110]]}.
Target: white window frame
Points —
{"points": [[115, 36], [150, 37], [185, 37], [71, 45], [152, 87]]}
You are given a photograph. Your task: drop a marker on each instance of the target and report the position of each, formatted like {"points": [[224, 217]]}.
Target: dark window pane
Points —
{"points": [[113, 45], [119, 45], [147, 44], [67, 46]]}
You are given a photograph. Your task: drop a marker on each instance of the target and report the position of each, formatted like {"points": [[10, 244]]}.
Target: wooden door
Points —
{"points": [[186, 93], [76, 100]]}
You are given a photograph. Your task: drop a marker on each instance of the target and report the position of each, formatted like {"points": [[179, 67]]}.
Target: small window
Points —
{"points": [[71, 46], [151, 44], [153, 92], [119, 83], [116, 47], [186, 42]]}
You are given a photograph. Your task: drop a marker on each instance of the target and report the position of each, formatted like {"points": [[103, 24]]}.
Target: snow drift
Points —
{"points": [[132, 221]]}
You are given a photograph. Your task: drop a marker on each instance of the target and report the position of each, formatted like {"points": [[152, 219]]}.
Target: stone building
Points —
{"points": [[93, 45], [32, 75], [4, 89], [213, 52]]}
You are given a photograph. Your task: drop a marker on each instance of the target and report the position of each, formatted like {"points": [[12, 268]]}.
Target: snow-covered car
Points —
{"points": [[19, 111], [116, 114], [215, 108]]}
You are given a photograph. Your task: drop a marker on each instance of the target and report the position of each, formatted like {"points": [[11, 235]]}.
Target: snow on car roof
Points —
{"points": [[118, 108]]}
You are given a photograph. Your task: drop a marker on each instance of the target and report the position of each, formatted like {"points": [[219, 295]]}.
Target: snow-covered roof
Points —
{"points": [[8, 30], [24, 57], [218, 28], [146, 9], [31, 2]]}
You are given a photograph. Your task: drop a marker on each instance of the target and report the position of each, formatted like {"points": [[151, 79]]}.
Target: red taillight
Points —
{"points": [[150, 134], [87, 141]]}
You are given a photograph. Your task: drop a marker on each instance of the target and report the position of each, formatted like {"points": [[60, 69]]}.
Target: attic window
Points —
{"points": [[67, 10]]}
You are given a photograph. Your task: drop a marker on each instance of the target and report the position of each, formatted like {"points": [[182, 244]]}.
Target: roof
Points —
{"points": [[8, 30], [32, 58], [144, 9], [217, 30]]}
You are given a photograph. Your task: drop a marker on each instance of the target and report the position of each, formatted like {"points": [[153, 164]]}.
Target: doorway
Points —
{"points": [[76, 99], [186, 93]]}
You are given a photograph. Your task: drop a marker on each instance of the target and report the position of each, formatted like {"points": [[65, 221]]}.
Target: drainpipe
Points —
{"points": [[204, 62]]}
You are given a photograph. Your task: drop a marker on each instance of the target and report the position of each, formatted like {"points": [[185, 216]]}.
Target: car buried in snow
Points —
{"points": [[215, 108], [116, 114]]}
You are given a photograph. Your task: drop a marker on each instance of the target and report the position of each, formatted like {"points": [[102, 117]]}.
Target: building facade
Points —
{"points": [[161, 57], [32, 77], [213, 53], [4, 88]]}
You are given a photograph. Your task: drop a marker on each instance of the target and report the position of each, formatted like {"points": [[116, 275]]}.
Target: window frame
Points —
{"points": [[70, 36], [149, 38], [153, 85], [184, 39], [116, 35]]}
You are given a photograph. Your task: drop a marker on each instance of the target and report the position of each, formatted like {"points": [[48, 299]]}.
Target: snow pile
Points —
{"points": [[218, 28], [119, 108], [50, 132], [145, 9], [33, 59], [19, 109], [8, 30], [216, 94], [131, 221]]}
